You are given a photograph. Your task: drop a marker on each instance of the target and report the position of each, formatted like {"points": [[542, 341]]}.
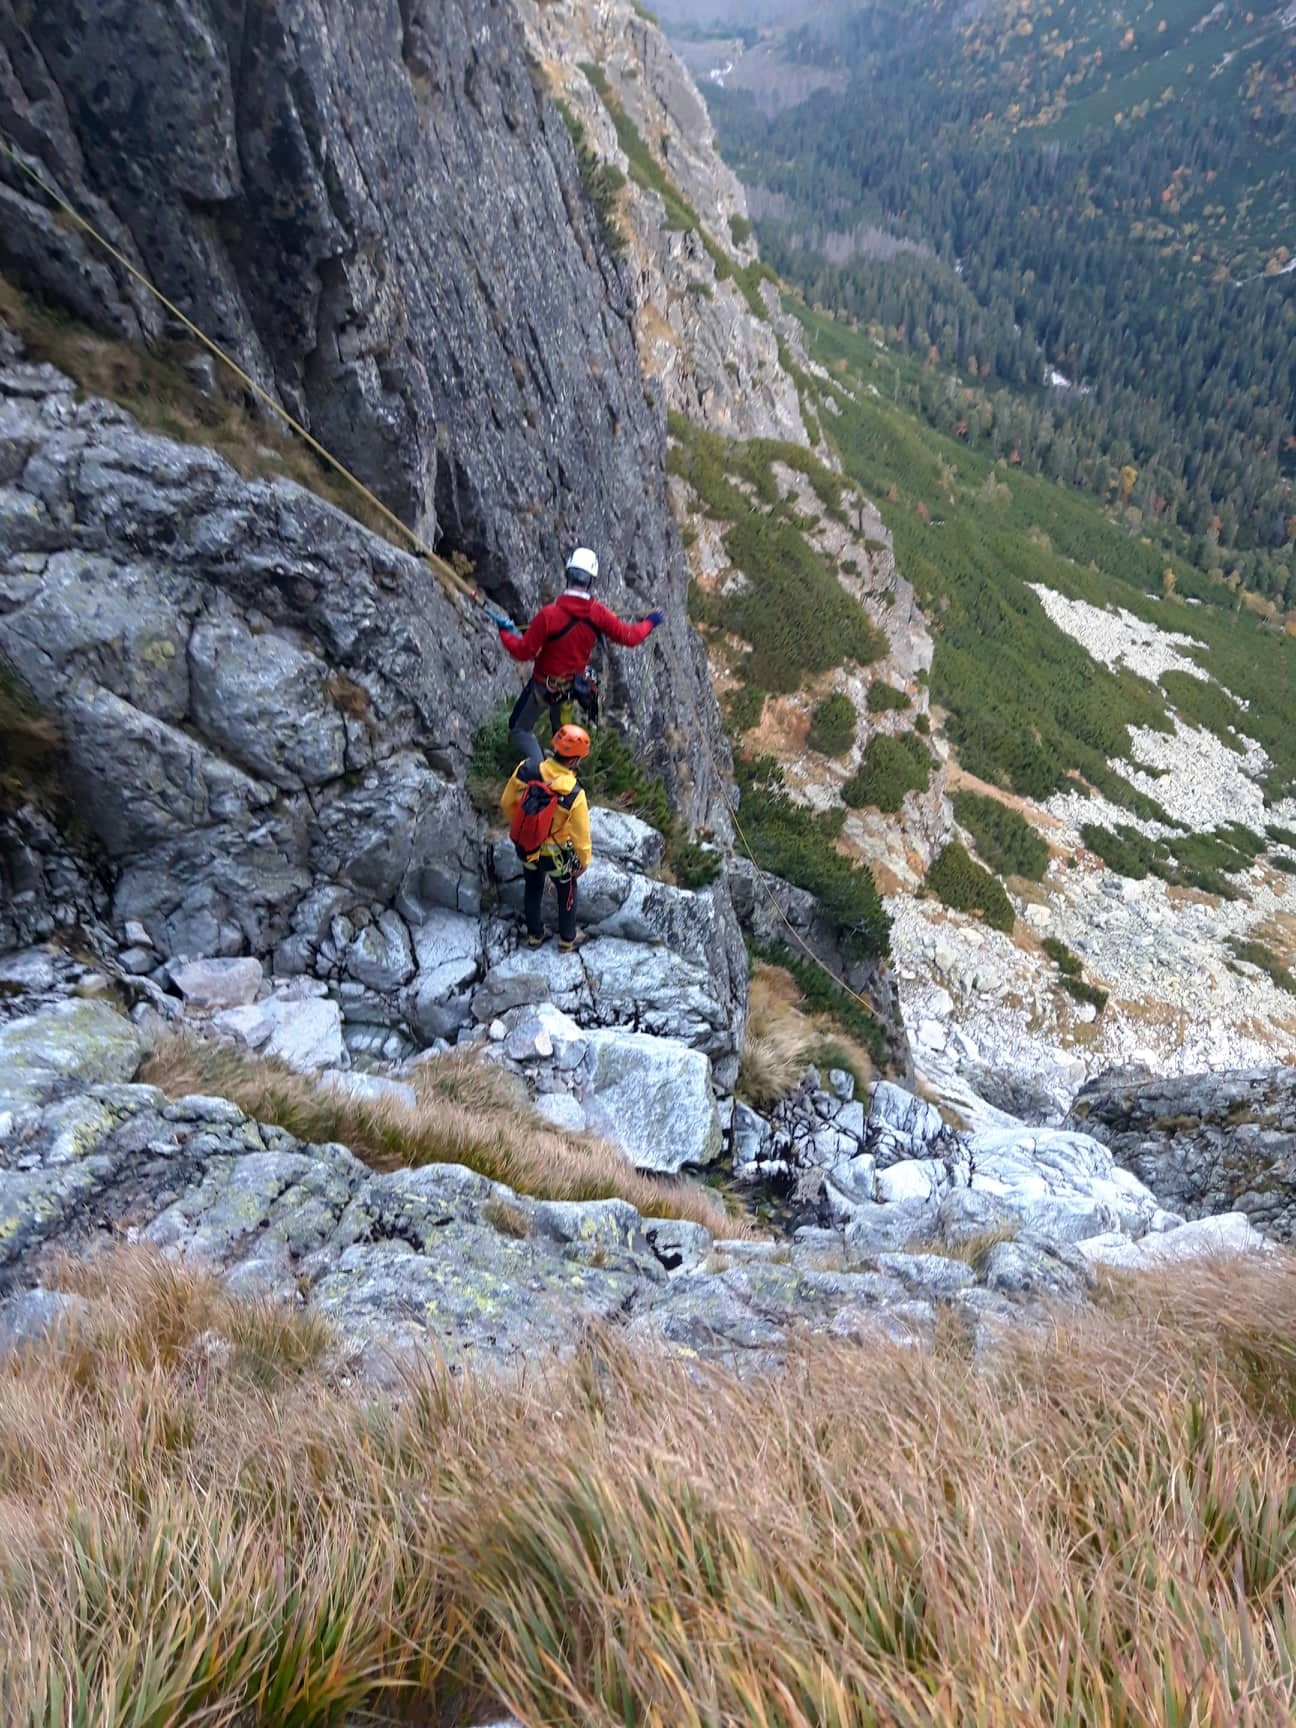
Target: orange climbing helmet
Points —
{"points": [[571, 743]]}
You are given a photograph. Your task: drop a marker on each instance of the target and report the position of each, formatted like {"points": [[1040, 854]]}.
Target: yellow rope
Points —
{"points": [[446, 572]]}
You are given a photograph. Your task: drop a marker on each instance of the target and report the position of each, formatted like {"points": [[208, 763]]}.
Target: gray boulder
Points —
{"points": [[901, 1114], [1208, 1144], [307, 1035], [620, 838], [65, 1048], [218, 983], [447, 948], [653, 1098], [381, 956]]}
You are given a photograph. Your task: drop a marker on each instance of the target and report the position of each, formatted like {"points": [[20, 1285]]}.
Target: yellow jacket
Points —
{"points": [[570, 827]]}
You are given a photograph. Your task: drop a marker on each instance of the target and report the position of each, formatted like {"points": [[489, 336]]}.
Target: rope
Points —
{"points": [[447, 574]]}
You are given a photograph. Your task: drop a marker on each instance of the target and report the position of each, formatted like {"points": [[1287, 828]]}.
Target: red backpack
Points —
{"points": [[533, 819]]}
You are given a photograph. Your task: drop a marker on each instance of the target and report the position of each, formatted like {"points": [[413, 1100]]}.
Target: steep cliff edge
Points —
{"points": [[387, 228]]}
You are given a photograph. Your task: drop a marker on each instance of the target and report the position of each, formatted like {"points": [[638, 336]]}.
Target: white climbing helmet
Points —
{"points": [[583, 567]]}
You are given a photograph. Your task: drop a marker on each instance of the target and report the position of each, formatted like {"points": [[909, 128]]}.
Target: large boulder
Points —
{"points": [[1206, 1144], [307, 1035], [653, 1098], [64, 1048]]}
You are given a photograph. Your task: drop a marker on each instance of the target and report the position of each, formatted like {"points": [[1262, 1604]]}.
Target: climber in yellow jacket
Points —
{"points": [[549, 825]]}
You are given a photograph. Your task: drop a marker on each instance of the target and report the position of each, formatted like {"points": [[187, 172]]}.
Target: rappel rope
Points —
{"points": [[445, 573]]}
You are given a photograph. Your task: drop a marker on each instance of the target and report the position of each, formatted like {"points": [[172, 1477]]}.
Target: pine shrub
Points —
{"points": [[891, 768], [1004, 838], [963, 885], [832, 727]]}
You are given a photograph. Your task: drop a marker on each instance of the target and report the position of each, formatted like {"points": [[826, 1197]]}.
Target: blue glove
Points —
{"points": [[656, 619], [507, 627]]}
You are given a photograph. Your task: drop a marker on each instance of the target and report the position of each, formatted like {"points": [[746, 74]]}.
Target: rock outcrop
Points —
{"points": [[701, 345], [386, 226], [1204, 1145]]}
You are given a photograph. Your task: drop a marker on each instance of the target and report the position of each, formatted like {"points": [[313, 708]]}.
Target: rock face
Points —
{"points": [[297, 185], [701, 345], [1211, 1144]]}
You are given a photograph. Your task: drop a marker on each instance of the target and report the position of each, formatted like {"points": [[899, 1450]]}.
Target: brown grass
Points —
{"points": [[468, 1113], [1096, 1529], [152, 385], [782, 1040], [779, 1039]]}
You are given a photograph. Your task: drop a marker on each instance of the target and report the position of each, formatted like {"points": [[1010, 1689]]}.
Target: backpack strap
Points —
{"points": [[573, 619]]}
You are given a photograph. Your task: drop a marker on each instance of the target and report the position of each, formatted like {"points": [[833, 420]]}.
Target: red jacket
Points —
{"points": [[565, 655]]}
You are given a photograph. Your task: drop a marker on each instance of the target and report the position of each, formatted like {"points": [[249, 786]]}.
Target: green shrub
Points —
{"points": [[1064, 958], [961, 884], [740, 230], [1004, 838], [832, 726], [922, 725], [1254, 953], [799, 844], [885, 698], [1203, 861], [1123, 850], [797, 617], [743, 708], [1285, 862], [602, 181], [891, 768], [1281, 836], [1082, 992]]}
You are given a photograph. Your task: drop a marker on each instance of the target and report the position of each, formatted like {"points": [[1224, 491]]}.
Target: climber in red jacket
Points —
{"points": [[560, 639]]}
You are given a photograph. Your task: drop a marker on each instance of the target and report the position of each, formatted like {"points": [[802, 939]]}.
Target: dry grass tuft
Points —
{"points": [[783, 1039], [779, 1039], [1096, 1529], [468, 1112]]}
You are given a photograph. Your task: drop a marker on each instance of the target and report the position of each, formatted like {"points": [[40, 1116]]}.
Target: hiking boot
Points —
{"points": [[537, 941], [575, 943]]}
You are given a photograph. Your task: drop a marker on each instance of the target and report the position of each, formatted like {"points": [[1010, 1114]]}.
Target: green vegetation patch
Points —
{"points": [[886, 699], [1206, 705], [1255, 953], [1202, 861], [833, 726], [1024, 704], [1004, 838], [960, 883], [800, 845], [793, 612], [1071, 974], [891, 768], [602, 181]]}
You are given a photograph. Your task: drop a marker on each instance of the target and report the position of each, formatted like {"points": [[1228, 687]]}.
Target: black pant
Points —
{"points": [[565, 884], [528, 708]]}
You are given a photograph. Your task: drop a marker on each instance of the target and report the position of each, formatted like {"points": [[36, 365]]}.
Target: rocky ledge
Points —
{"points": [[914, 1222], [1208, 1144]]}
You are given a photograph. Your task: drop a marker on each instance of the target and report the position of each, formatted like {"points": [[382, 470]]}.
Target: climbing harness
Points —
{"points": [[446, 574]]}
